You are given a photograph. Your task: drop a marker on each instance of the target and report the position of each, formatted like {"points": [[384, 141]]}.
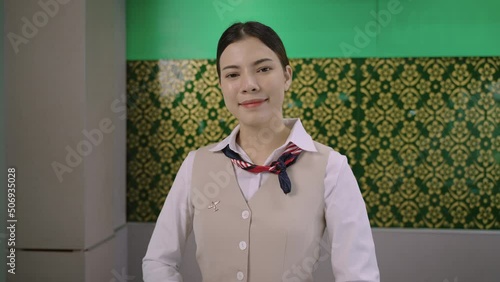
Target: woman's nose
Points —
{"points": [[249, 83]]}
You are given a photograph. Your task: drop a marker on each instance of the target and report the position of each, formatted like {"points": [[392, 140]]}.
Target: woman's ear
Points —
{"points": [[288, 77]]}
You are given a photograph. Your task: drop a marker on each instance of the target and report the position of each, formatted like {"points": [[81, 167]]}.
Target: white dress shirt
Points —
{"points": [[352, 249]]}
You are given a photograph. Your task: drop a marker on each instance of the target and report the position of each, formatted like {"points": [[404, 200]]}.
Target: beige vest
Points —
{"points": [[272, 237]]}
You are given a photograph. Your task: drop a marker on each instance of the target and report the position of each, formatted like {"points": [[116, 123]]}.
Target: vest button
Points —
{"points": [[245, 214], [240, 275], [243, 245]]}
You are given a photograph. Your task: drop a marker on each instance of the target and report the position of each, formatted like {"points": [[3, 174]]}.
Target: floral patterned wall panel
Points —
{"points": [[422, 135]]}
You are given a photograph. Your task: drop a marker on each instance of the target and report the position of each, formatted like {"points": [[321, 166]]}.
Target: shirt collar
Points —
{"points": [[298, 136]]}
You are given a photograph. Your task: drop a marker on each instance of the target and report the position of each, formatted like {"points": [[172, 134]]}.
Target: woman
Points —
{"points": [[259, 201]]}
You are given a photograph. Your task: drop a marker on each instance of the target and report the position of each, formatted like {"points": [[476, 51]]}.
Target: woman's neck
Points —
{"points": [[260, 141]]}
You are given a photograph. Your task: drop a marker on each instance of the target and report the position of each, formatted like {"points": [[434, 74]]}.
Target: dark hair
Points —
{"points": [[265, 34]]}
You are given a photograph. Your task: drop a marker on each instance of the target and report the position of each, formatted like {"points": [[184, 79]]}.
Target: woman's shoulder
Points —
{"points": [[212, 147], [322, 148], [191, 156], [208, 147], [333, 156]]}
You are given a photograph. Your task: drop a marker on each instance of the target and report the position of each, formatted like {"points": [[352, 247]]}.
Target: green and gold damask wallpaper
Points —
{"points": [[422, 135]]}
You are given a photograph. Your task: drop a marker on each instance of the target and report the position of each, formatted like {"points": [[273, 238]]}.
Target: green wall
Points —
{"points": [[189, 29]]}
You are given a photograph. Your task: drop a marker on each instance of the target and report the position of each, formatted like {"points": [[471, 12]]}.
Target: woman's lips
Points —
{"points": [[252, 103]]}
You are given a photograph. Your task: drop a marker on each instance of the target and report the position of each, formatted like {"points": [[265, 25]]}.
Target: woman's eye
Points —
{"points": [[231, 75], [264, 69]]}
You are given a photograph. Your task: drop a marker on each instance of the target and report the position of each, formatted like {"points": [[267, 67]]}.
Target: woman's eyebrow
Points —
{"points": [[259, 61]]}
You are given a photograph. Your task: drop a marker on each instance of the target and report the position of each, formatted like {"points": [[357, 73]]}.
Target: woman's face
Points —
{"points": [[253, 82]]}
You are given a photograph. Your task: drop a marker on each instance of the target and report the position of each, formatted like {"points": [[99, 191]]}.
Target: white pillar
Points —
{"points": [[65, 67]]}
